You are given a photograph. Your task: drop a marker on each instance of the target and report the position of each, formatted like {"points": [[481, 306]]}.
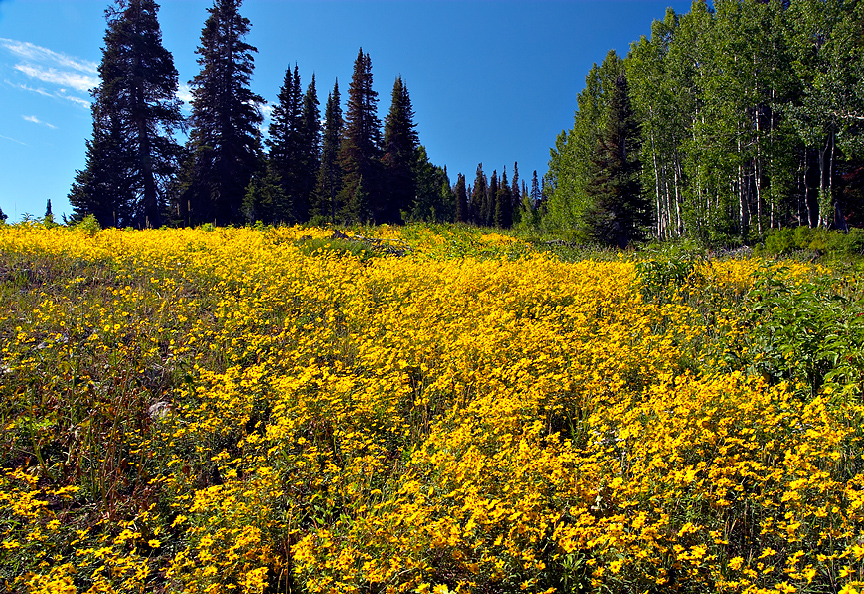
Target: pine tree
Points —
{"points": [[329, 181], [462, 212], [618, 212], [225, 143], [359, 153], [135, 110], [400, 146], [286, 143], [265, 199]]}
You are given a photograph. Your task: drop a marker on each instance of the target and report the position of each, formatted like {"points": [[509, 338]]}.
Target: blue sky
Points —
{"points": [[491, 82]]}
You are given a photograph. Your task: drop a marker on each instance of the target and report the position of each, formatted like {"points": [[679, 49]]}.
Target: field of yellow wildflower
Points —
{"points": [[438, 410]]}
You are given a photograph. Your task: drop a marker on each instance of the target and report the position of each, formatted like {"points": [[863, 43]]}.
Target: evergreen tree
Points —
{"points": [[309, 159], [535, 192], [265, 199], [462, 212], [329, 181], [224, 143], [478, 196], [503, 216], [400, 146], [617, 213], [360, 153], [491, 198], [434, 200], [3, 216], [135, 110], [286, 144]]}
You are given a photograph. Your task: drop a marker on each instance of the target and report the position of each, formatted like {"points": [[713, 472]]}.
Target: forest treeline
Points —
{"points": [[748, 117], [342, 168], [738, 117]]}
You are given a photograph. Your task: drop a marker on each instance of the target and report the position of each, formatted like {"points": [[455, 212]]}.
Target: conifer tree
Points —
{"points": [[329, 180], [478, 196], [617, 213], [135, 110], [400, 146], [308, 161], [285, 143], [360, 153], [491, 197], [503, 216], [224, 143], [462, 212], [535, 191]]}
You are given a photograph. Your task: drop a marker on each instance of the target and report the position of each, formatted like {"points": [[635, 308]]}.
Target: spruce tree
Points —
{"points": [[503, 216], [489, 203], [329, 182], [535, 191], [132, 154], [462, 213], [309, 158], [400, 146], [285, 143], [360, 153], [478, 196], [224, 142], [617, 213]]}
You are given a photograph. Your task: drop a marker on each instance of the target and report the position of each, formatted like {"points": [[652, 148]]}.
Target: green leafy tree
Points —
{"points": [[224, 143], [132, 154]]}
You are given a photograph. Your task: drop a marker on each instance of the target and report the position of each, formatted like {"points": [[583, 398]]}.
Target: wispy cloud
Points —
{"points": [[79, 82], [36, 120], [60, 71], [43, 55], [13, 140]]}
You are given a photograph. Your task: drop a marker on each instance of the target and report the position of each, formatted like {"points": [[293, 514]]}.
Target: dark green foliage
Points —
{"points": [[617, 213], [3, 216], [224, 143], [400, 155], [132, 154], [503, 216], [435, 201], [478, 196], [286, 143], [265, 199], [329, 180], [488, 214], [462, 212], [309, 159], [360, 152]]}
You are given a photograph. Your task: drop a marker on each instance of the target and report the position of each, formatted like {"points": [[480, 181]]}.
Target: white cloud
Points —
{"points": [[184, 93], [79, 82], [36, 120], [52, 68], [42, 55]]}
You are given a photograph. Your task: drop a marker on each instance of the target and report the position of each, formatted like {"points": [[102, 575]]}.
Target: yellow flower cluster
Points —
{"points": [[228, 411]]}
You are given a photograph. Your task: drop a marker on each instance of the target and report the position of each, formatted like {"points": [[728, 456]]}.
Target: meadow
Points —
{"points": [[441, 410]]}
